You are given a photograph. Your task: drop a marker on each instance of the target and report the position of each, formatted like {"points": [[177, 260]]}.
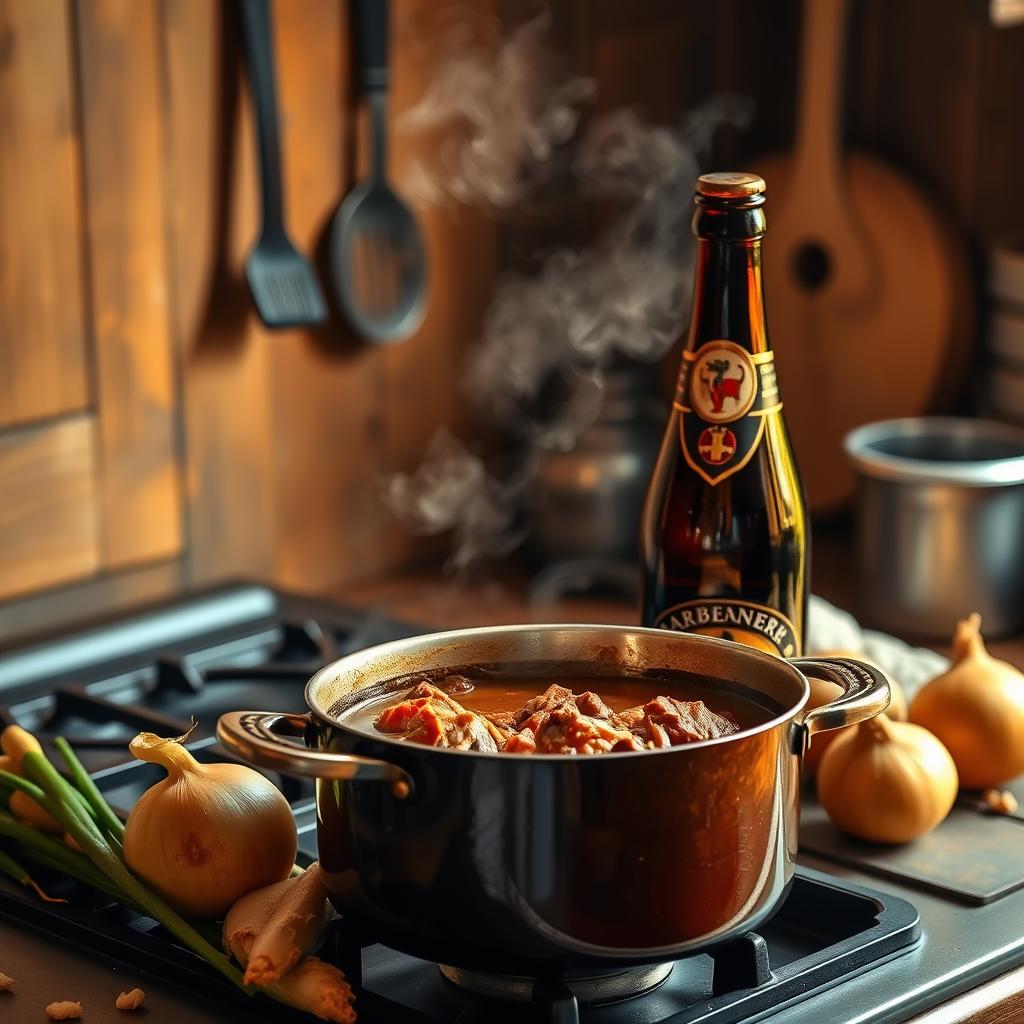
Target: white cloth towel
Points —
{"points": [[831, 629]]}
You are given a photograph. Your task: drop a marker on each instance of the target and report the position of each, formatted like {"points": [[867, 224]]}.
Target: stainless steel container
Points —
{"points": [[940, 524]]}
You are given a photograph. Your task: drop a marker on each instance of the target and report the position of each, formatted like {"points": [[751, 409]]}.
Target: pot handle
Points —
{"points": [[259, 738], [867, 694]]}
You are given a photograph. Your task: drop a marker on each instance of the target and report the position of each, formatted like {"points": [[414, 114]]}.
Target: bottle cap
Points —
{"points": [[730, 185]]}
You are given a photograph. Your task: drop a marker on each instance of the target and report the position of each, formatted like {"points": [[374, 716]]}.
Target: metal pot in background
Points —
{"points": [[587, 501], [940, 524]]}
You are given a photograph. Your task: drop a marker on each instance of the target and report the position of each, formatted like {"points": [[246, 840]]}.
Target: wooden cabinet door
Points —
{"points": [[89, 472]]}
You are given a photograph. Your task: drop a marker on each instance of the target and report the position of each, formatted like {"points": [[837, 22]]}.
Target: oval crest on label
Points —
{"points": [[723, 382]]}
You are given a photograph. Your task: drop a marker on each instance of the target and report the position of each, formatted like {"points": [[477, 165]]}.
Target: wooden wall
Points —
{"points": [[153, 435], [931, 85]]}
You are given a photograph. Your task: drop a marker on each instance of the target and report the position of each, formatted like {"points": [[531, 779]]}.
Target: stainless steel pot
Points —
{"points": [[530, 861], [940, 523]]}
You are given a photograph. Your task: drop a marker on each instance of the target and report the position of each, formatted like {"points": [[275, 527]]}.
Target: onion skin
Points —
{"points": [[887, 782], [208, 834], [823, 691], [977, 709]]}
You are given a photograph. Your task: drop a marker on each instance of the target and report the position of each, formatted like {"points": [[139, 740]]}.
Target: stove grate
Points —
{"points": [[263, 648], [852, 930]]}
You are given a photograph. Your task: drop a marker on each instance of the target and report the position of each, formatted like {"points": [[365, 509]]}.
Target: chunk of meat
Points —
{"points": [[522, 742], [630, 718], [590, 703], [557, 721], [464, 731], [566, 731], [401, 717], [557, 697], [430, 716], [504, 720], [667, 722], [553, 697]]}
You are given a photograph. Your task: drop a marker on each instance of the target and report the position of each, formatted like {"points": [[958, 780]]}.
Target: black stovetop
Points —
{"points": [[248, 646]]}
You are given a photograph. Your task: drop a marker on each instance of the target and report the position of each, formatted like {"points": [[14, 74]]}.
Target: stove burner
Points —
{"points": [[589, 989]]}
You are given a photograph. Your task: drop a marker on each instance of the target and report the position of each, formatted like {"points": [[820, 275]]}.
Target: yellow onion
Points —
{"points": [[887, 781], [208, 833], [977, 709], [823, 692]]}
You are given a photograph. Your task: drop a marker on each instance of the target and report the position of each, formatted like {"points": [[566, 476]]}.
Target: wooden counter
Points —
{"points": [[436, 600]]}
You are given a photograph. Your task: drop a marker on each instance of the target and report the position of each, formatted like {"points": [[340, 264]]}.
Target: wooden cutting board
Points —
{"points": [[868, 292]]}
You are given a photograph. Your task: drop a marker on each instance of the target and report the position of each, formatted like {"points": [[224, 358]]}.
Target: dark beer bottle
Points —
{"points": [[724, 538]]}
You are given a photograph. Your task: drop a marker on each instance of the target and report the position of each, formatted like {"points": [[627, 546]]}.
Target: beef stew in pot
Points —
{"points": [[591, 715]]}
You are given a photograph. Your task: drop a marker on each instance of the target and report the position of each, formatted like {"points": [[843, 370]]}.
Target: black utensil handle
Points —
{"points": [[370, 18], [259, 51]]}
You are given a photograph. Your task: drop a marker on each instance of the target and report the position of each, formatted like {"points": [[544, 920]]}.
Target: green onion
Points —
{"points": [[56, 854], [9, 866], [37, 845], [81, 809], [96, 881], [97, 848], [102, 811], [12, 781]]}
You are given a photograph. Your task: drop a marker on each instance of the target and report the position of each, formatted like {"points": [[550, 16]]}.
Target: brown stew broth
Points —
{"points": [[496, 692]]}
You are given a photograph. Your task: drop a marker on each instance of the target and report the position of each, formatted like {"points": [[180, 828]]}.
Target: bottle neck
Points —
{"points": [[728, 295]]}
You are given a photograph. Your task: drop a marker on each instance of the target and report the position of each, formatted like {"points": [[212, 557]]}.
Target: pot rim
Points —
{"points": [[859, 445], [394, 647]]}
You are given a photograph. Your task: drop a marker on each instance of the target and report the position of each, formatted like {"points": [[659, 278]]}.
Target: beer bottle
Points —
{"points": [[724, 537]]}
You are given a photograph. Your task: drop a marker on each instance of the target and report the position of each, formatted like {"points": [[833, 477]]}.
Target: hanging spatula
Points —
{"points": [[378, 262], [282, 281]]}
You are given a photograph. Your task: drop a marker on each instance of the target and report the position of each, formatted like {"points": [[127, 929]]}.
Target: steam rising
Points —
{"points": [[506, 107], [452, 490], [627, 295]]}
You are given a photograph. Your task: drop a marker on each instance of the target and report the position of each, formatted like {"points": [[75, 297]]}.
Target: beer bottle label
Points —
{"points": [[724, 394], [734, 619]]}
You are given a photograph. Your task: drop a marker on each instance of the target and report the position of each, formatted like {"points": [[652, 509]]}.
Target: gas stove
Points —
{"points": [[859, 938]]}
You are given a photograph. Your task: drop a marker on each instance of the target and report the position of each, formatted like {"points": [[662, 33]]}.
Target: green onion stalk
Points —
{"points": [[104, 853], [101, 810], [53, 853], [9, 866], [80, 808]]}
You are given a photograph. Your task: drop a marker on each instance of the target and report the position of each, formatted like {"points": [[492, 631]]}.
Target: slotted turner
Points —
{"points": [[378, 262], [282, 281]]}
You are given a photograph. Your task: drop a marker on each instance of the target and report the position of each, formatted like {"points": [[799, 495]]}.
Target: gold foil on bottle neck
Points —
{"points": [[730, 185]]}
